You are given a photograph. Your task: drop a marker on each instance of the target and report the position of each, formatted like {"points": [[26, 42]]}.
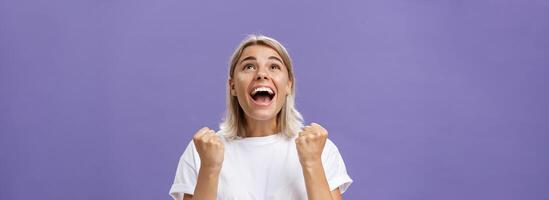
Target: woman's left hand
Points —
{"points": [[310, 144]]}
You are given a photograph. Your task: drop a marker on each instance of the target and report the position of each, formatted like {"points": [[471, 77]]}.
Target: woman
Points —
{"points": [[262, 150]]}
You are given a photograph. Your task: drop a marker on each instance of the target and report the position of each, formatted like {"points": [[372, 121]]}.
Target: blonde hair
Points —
{"points": [[288, 121]]}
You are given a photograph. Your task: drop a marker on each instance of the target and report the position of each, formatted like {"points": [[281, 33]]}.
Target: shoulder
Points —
{"points": [[330, 148], [190, 146], [330, 145], [190, 154]]}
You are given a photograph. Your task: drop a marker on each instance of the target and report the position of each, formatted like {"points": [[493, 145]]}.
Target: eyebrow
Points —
{"points": [[275, 58], [253, 58]]}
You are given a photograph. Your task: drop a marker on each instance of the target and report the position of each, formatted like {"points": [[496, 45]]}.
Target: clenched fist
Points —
{"points": [[310, 144], [210, 148]]}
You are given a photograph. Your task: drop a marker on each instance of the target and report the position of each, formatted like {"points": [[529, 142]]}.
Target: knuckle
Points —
{"points": [[309, 137], [196, 137]]}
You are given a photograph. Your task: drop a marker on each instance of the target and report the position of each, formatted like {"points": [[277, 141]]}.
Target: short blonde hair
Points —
{"points": [[289, 121]]}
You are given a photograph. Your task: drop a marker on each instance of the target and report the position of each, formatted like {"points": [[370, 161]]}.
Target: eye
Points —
{"points": [[249, 66], [275, 66]]}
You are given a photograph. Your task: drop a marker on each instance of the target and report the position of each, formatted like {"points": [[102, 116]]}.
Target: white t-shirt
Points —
{"points": [[259, 168]]}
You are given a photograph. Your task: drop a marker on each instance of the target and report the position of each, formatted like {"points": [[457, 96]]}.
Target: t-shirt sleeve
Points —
{"points": [[334, 168], [186, 174]]}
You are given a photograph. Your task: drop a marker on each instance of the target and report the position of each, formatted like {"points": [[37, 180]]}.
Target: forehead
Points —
{"points": [[259, 51]]}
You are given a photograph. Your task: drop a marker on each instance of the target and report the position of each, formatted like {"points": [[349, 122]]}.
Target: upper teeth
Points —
{"points": [[262, 89]]}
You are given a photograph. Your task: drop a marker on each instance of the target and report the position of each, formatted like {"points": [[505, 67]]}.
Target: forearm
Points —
{"points": [[206, 184], [315, 182]]}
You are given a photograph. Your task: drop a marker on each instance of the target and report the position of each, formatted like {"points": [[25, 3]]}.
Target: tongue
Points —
{"points": [[263, 99]]}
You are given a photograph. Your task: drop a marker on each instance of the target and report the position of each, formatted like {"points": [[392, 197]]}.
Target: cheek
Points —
{"points": [[240, 86], [282, 84]]}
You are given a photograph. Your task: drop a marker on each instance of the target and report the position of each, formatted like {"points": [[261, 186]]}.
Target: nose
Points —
{"points": [[262, 75]]}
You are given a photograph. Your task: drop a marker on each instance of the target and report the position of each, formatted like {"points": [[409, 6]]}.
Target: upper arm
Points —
{"points": [[335, 170], [336, 194], [186, 174]]}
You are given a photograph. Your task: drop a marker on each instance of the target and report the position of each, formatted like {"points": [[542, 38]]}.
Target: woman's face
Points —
{"points": [[260, 82]]}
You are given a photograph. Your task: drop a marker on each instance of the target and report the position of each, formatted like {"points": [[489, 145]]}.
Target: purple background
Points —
{"points": [[425, 99]]}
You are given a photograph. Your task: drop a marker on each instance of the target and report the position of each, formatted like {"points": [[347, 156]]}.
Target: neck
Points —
{"points": [[258, 128]]}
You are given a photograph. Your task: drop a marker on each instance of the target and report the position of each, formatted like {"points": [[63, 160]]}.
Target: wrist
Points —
{"points": [[210, 168], [311, 164]]}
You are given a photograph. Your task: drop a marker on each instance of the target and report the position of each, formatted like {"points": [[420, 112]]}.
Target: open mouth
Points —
{"points": [[262, 95]]}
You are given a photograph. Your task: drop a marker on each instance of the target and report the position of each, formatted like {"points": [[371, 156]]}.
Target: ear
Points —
{"points": [[289, 87], [231, 87]]}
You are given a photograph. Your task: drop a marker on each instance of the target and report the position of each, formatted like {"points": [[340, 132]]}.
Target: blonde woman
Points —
{"points": [[262, 150]]}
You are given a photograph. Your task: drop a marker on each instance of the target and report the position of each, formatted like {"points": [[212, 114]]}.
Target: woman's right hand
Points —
{"points": [[210, 148]]}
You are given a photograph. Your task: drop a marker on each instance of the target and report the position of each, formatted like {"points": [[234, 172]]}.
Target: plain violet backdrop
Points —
{"points": [[426, 100]]}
